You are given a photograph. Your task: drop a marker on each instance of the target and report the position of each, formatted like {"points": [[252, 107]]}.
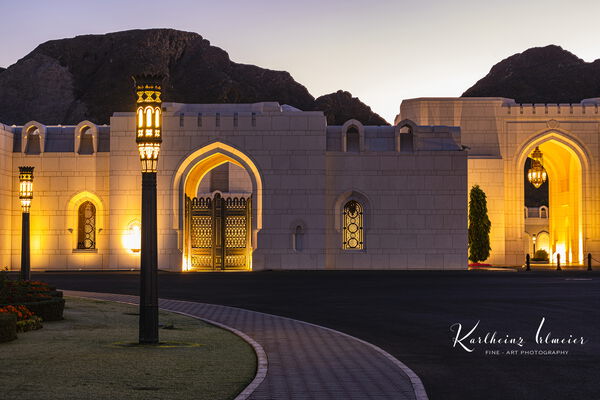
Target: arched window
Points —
{"points": [[406, 139], [86, 141], [86, 228], [352, 140], [353, 235], [34, 145], [543, 212], [297, 238]]}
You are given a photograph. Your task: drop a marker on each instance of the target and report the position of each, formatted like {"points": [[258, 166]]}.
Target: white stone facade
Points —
{"points": [[411, 180]]}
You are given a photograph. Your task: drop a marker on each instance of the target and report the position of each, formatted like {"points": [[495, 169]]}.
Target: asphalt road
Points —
{"points": [[409, 314]]}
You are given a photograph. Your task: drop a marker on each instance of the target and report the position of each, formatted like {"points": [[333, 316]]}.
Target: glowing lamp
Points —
{"points": [[25, 187], [537, 174], [148, 120], [133, 237]]}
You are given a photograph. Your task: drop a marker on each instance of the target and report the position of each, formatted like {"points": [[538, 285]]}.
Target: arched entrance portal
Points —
{"points": [[562, 161], [218, 209]]}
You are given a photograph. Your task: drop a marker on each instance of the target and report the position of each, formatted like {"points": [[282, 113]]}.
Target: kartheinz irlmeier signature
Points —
{"points": [[469, 340]]}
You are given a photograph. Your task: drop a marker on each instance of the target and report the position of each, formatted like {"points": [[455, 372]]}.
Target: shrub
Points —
{"points": [[15, 292], [8, 327], [540, 255], [48, 310], [479, 226]]}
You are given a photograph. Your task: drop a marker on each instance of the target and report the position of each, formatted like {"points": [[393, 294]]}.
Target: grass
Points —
{"points": [[84, 357]]}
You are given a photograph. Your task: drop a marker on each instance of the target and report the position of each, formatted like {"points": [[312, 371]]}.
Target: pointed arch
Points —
{"points": [[195, 165], [73, 213], [559, 135], [81, 130], [405, 141], [29, 129], [348, 127], [567, 225]]}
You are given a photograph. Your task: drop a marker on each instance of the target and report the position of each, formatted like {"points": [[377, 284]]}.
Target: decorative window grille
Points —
{"points": [[86, 231], [353, 235]]}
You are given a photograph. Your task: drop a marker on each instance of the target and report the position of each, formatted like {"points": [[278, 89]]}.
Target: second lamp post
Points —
{"points": [[25, 196]]}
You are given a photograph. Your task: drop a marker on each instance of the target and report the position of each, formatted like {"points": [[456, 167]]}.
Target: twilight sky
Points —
{"points": [[380, 51]]}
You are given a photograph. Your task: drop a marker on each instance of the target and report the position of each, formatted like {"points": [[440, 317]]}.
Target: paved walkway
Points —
{"points": [[303, 361]]}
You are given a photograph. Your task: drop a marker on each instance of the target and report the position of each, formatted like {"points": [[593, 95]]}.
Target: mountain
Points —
{"points": [[340, 106], [89, 77], [541, 75]]}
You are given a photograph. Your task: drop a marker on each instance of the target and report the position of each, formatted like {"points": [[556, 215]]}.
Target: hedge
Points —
{"points": [[8, 327], [48, 310]]}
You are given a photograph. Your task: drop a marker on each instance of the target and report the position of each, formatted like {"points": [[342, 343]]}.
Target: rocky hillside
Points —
{"points": [[541, 75], [340, 106], [89, 77]]}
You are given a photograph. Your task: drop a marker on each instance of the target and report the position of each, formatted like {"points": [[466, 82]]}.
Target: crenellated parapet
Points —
{"points": [[585, 107]]}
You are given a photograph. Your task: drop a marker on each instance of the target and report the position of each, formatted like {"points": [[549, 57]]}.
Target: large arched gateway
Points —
{"points": [[565, 164], [218, 208]]}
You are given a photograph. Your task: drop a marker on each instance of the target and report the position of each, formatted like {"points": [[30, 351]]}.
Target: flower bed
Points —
{"points": [[26, 320], [475, 265]]}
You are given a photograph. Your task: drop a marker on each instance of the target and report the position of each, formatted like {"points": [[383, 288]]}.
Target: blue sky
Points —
{"points": [[380, 51]]}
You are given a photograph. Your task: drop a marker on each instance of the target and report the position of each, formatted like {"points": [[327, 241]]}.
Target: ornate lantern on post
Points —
{"points": [[537, 174], [25, 196], [148, 139]]}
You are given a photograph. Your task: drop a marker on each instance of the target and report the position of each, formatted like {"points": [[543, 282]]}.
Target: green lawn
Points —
{"points": [[83, 357]]}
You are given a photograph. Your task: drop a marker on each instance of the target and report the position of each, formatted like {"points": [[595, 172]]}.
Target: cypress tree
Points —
{"points": [[479, 226]]}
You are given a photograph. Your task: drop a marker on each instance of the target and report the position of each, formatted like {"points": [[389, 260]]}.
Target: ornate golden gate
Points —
{"points": [[217, 233]]}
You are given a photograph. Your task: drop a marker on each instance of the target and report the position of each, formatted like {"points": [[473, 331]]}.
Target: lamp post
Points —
{"points": [[25, 196], [148, 139]]}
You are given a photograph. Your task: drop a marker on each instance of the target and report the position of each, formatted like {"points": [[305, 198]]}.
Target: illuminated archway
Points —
{"points": [[566, 162], [194, 168]]}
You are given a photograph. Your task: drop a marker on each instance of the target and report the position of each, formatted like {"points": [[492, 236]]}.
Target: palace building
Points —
{"points": [[268, 186]]}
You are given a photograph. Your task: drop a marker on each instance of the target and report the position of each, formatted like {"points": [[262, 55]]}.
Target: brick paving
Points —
{"points": [[303, 361]]}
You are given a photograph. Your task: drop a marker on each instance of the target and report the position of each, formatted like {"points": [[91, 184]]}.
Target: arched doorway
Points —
{"points": [[218, 208], [563, 162]]}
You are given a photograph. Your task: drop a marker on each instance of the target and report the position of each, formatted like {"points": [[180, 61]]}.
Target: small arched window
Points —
{"points": [[543, 212], [86, 228], [297, 238], [34, 145], [352, 140], [406, 139], [86, 141], [353, 232]]}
